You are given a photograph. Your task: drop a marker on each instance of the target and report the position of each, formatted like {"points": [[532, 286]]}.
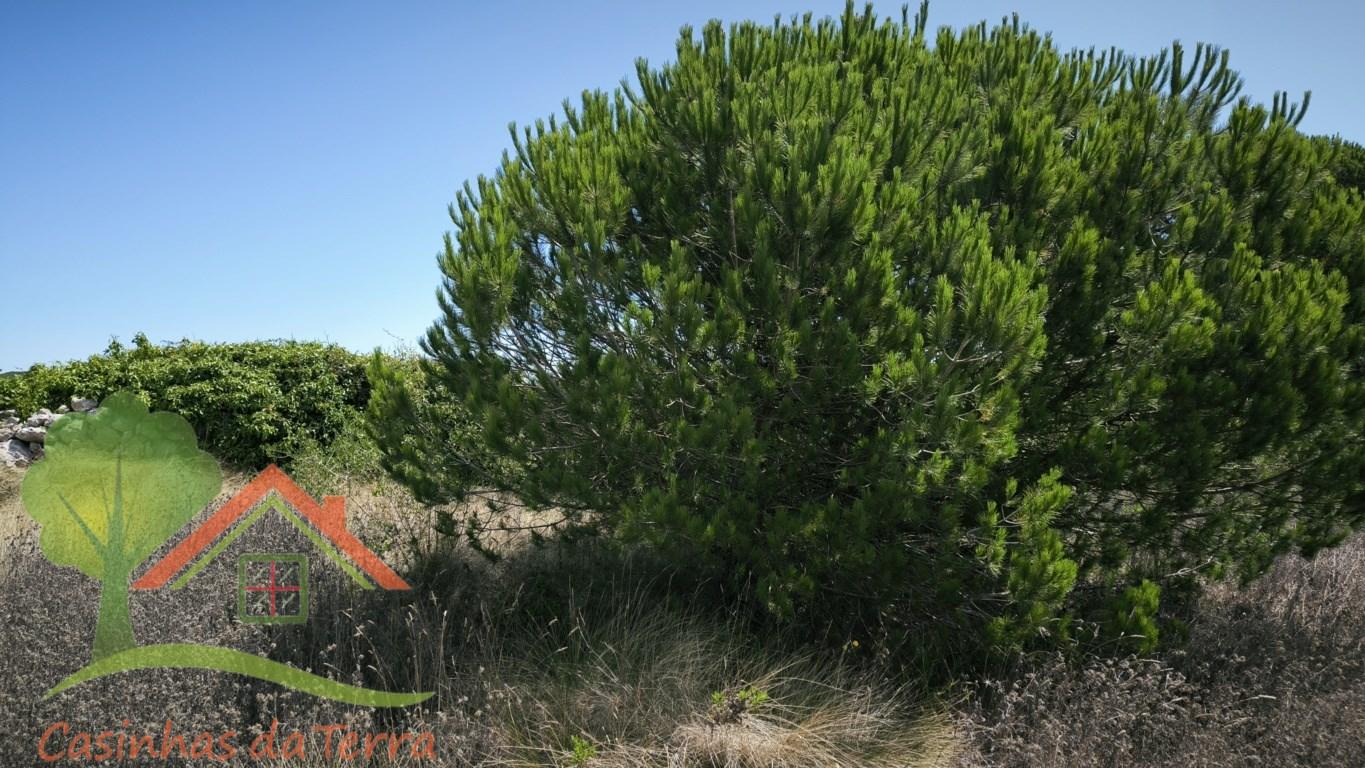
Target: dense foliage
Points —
{"points": [[430, 443], [1347, 163], [972, 334], [249, 403]]}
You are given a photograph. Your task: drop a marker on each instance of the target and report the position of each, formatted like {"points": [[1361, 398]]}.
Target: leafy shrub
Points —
{"points": [[431, 443], [890, 333], [581, 751], [250, 403], [729, 707]]}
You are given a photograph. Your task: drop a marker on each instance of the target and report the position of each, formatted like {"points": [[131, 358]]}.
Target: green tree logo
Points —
{"points": [[116, 485]]}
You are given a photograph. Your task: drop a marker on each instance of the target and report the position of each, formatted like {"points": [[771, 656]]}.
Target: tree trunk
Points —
{"points": [[114, 631]]}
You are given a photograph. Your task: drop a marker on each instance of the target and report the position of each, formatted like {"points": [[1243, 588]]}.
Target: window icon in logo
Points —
{"points": [[272, 588]]}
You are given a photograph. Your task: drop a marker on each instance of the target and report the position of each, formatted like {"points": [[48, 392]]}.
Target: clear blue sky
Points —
{"points": [[249, 170]]}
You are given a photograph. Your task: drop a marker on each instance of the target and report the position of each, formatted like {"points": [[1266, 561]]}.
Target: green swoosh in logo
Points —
{"points": [[190, 656]]}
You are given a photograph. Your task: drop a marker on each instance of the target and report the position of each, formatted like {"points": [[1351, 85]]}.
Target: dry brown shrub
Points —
{"points": [[1273, 674]]}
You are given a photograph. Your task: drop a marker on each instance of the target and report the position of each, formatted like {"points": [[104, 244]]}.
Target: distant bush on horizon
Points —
{"points": [[250, 402]]}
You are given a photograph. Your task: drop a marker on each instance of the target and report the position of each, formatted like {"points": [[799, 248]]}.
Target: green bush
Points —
{"points": [[250, 403], [901, 335], [1348, 162]]}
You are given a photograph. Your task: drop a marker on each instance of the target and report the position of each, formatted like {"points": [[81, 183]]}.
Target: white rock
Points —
{"points": [[14, 453], [31, 434], [62, 409], [8, 414], [82, 404]]}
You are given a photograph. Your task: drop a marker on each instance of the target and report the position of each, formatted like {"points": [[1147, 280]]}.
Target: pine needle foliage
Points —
{"points": [[897, 329]]}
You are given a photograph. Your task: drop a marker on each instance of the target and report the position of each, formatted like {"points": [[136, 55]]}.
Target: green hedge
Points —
{"points": [[250, 403]]}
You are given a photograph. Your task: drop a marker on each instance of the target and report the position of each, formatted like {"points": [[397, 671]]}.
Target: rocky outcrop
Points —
{"points": [[15, 453], [21, 442]]}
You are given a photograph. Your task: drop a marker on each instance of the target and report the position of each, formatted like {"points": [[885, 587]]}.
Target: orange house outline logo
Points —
{"points": [[272, 587]]}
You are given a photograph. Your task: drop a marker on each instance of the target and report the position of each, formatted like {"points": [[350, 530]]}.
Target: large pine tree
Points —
{"points": [[880, 326]]}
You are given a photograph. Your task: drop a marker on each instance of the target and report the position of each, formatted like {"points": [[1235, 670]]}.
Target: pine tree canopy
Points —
{"points": [[904, 329], [1348, 164]]}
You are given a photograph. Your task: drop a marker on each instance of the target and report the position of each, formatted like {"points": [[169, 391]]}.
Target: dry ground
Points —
{"points": [[550, 657], [584, 657], [17, 530]]}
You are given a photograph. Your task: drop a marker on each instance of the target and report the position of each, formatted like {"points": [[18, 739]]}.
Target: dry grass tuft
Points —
{"points": [[1272, 674], [641, 689], [854, 728]]}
